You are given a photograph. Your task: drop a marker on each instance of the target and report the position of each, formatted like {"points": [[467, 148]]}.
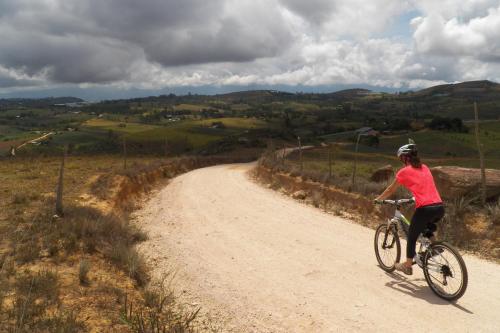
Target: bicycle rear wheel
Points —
{"points": [[445, 271], [387, 247]]}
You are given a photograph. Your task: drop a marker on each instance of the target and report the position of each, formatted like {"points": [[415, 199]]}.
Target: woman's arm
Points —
{"points": [[389, 191]]}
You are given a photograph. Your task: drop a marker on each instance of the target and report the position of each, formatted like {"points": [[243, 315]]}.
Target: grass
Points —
{"points": [[234, 123], [494, 213], [160, 312], [189, 107], [29, 233], [190, 134], [128, 259], [435, 147], [35, 294], [119, 127], [83, 271], [34, 243]]}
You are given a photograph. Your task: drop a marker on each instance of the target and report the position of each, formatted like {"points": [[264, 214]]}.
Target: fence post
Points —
{"points": [[60, 183], [481, 155], [300, 155], [124, 153]]}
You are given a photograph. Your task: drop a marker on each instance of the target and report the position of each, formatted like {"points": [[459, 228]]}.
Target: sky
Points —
{"points": [[98, 49]]}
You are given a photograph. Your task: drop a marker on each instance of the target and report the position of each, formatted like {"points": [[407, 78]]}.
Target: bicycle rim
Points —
{"points": [[445, 271], [387, 248]]}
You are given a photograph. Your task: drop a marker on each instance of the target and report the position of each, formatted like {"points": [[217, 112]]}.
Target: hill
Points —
{"points": [[469, 89], [38, 102]]}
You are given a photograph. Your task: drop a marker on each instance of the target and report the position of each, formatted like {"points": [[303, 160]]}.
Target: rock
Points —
{"points": [[383, 174], [300, 195], [454, 182]]}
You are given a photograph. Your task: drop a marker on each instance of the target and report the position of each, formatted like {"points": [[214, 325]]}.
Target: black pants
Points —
{"points": [[423, 222]]}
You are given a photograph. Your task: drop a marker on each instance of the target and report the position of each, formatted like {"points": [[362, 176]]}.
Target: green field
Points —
{"points": [[435, 148], [189, 107], [198, 133]]}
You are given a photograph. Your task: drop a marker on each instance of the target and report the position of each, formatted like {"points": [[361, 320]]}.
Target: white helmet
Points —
{"points": [[409, 149]]}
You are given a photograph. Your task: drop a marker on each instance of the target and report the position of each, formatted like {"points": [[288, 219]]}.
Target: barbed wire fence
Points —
{"points": [[326, 163]]}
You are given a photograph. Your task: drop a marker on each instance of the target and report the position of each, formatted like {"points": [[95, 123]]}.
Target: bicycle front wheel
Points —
{"points": [[445, 271], [387, 247]]}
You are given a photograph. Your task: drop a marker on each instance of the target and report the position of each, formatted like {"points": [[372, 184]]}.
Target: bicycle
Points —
{"points": [[443, 267]]}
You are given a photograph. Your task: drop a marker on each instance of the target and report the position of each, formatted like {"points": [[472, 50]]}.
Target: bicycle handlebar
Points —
{"points": [[396, 202]]}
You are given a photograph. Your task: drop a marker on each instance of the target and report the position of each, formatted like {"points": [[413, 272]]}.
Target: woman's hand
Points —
{"points": [[388, 191]]}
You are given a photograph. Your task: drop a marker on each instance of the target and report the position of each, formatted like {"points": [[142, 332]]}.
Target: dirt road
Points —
{"points": [[36, 140], [256, 261]]}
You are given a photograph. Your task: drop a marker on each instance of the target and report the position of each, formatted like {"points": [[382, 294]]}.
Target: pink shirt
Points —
{"points": [[421, 184]]}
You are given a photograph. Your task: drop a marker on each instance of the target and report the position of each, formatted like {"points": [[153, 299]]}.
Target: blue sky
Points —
{"points": [[124, 48]]}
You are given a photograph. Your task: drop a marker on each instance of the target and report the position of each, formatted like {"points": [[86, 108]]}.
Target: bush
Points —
{"points": [[130, 261], [83, 271], [448, 124], [494, 213], [160, 315], [20, 198], [34, 294], [63, 322], [28, 251], [158, 295], [453, 224]]}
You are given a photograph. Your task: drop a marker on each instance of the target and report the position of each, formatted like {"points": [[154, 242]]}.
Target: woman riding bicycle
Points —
{"points": [[417, 178]]}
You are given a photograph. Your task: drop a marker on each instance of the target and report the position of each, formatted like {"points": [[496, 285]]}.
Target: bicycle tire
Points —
{"points": [[382, 231], [463, 287]]}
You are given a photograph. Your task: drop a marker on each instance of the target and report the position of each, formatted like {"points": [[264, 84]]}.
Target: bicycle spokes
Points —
{"points": [[445, 272]]}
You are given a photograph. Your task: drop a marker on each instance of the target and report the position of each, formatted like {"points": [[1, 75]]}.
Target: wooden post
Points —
{"points": [[59, 195], [481, 155], [300, 155], [124, 153], [353, 181]]}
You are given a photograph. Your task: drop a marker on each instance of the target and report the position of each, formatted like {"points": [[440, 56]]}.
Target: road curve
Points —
{"points": [[257, 261]]}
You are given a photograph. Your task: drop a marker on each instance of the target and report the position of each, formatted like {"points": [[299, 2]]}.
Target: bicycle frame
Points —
{"points": [[400, 221]]}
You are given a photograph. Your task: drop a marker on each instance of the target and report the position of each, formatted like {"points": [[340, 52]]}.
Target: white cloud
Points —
{"points": [[165, 43], [478, 37]]}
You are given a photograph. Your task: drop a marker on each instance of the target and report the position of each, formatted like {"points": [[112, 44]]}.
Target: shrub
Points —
{"points": [[66, 322], [6, 266], [34, 294], [317, 198], [28, 251], [494, 213], [83, 271], [162, 317], [452, 225], [20, 198], [127, 258], [158, 295]]}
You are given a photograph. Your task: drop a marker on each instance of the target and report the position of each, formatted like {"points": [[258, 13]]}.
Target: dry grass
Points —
{"points": [[83, 271], [128, 259], [494, 213], [159, 313], [36, 305], [35, 241], [320, 194]]}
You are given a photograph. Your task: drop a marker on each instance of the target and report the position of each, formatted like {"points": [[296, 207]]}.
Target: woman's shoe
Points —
{"points": [[403, 268]]}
